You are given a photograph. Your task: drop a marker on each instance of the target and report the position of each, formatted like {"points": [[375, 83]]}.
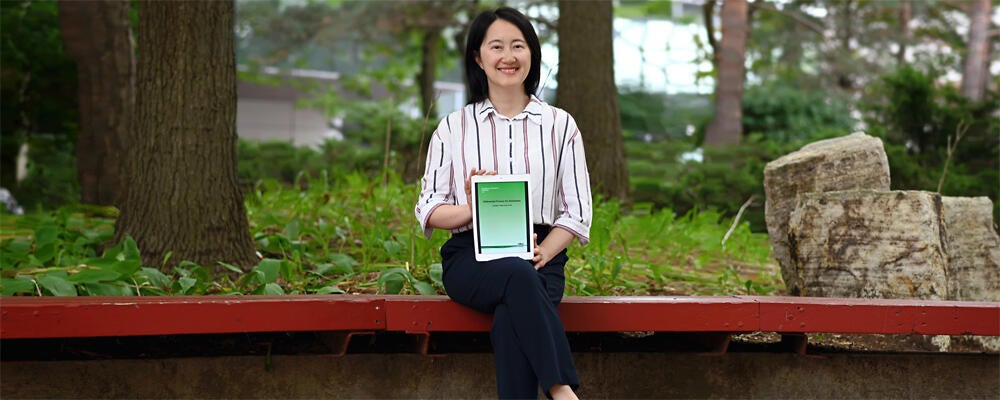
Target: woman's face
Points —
{"points": [[504, 56]]}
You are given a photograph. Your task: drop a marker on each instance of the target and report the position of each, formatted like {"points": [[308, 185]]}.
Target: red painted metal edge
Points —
{"points": [[53, 317], [56, 317], [586, 314], [670, 314], [432, 314], [881, 316]]}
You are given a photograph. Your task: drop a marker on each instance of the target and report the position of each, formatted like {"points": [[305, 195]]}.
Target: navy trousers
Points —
{"points": [[529, 344]]}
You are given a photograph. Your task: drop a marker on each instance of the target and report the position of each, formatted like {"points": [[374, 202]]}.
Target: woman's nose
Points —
{"points": [[508, 55]]}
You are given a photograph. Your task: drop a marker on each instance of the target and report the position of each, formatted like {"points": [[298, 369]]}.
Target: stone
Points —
{"points": [[973, 249], [869, 244], [855, 161]]}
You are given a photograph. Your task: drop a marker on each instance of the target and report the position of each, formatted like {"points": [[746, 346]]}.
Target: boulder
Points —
{"points": [[870, 244], [855, 161], [973, 249]]}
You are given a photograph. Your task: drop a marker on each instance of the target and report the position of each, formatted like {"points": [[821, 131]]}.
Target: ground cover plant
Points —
{"points": [[354, 234]]}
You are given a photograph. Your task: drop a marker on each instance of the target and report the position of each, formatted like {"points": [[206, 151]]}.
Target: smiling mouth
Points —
{"points": [[508, 70]]}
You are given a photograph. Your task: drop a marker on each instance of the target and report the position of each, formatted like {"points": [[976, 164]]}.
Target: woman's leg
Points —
{"points": [[523, 301]]}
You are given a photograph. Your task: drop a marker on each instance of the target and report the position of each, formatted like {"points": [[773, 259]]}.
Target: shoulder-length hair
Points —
{"points": [[479, 88]]}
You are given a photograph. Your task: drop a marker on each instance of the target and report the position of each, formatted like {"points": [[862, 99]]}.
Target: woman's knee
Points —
{"points": [[521, 270]]}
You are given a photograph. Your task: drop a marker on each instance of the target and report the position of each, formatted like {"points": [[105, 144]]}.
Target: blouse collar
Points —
{"points": [[533, 111]]}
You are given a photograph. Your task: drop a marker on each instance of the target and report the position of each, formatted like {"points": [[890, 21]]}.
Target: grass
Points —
{"points": [[352, 234]]}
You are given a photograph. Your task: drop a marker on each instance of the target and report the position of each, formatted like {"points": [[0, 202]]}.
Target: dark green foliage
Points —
{"points": [[38, 86], [51, 176], [916, 118], [352, 234], [783, 113], [659, 116], [726, 178], [278, 160], [778, 119]]}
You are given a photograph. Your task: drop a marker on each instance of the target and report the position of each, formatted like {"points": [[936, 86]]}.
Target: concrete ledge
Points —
{"points": [[604, 375]]}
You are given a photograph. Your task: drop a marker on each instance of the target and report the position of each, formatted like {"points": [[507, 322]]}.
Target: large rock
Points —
{"points": [[855, 161], [973, 249], [872, 244]]}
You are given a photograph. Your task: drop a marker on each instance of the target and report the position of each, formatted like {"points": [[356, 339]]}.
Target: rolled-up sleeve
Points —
{"points": [[436, 184], [576, 203]]}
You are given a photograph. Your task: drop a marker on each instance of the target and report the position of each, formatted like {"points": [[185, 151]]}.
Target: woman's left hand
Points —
{"points": [[554, 243], [542, 255]]}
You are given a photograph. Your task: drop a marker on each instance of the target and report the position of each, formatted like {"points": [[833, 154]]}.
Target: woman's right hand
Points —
{"points": [[468, 182], [449, 216]]}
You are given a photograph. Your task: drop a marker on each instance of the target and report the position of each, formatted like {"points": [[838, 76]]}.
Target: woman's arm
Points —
{"points": [[555, 242], [575, 208], [449, 216]]}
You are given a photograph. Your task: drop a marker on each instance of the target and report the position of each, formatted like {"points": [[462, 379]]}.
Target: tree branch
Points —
{"points": [[801, 19], [708, 12]]}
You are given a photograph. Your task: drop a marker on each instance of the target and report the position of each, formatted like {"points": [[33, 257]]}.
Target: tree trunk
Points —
{"points": [[428, 70], [846, 35], [96, 34], [587, 91], [905, 14], [726, 126], [182, 195], [976, 72]]}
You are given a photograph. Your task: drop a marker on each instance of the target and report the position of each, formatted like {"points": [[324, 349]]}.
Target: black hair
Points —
{"points": [[479, 88]]}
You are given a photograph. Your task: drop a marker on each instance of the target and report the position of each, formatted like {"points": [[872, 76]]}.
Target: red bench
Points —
{"points": [[64, 317]]}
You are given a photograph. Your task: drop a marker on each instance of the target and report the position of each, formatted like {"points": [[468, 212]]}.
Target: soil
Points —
{"points": [[837, 342]]}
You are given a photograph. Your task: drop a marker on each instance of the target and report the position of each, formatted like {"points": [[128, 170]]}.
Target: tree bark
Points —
{"points": [[182, 194], [97, 36], [587, 91], [976, 72], [428, 70], [905, 35], [726, 126], [708, 17]]}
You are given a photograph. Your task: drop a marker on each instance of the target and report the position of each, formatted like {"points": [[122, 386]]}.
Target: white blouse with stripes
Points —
{"points": [[542, 141]]}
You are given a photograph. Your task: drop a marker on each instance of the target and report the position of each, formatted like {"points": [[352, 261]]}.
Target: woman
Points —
{"points": [[505, 129]]}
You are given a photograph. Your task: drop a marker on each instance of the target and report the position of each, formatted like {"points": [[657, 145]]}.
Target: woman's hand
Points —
{"points": [[542, 255], [449, 216], [468, 182], [553, 244]]}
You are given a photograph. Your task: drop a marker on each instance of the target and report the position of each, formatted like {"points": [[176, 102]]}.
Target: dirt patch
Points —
{"points": [[840, 342]]}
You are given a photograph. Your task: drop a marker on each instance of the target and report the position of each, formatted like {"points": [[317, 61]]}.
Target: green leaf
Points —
{"points": [[436, 273], [392, 247], [343, 260], [19, 246], [231, 267], [57, 284], [186, 284], [155, 277], [424, 288], [105, 289], [94, 276], [292, 229], [131, 251], [323, 269], [392, 281], [46, 235], [45, 253], [268, 270], [10, 287], [273, 288], [329, 290]]}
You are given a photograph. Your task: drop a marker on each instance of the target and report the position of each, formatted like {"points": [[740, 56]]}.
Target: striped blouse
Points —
{"points": [[542, 141]]}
